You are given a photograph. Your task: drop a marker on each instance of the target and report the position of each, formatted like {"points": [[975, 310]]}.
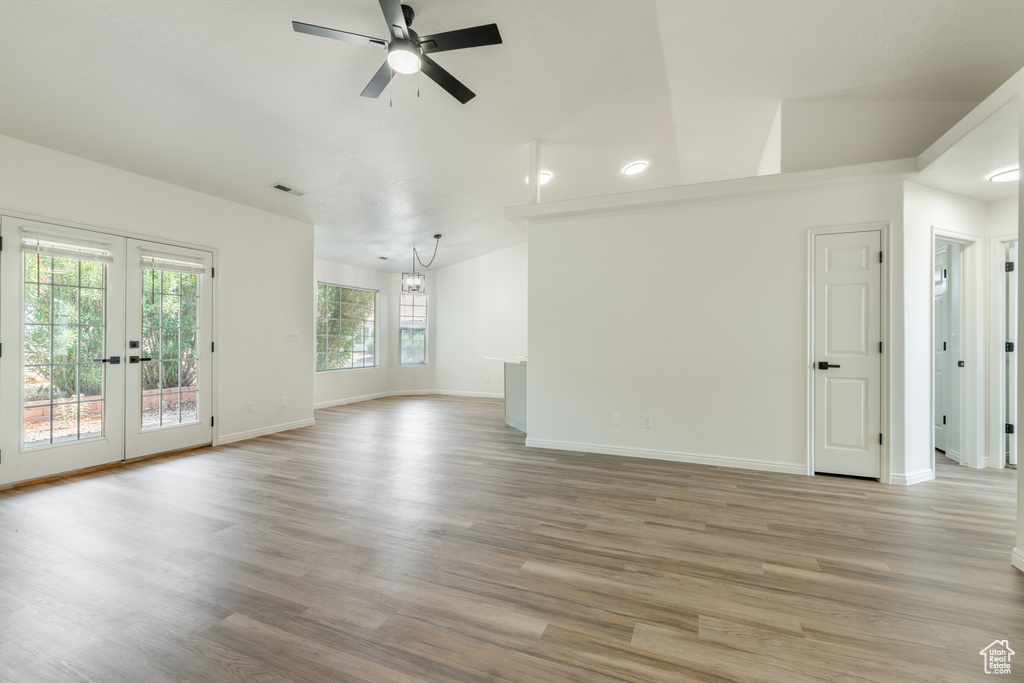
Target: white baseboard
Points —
{"points": [[346, 401], [675, 456], [470, 394], [912, 478], [1017, 558], [264, 431], [405, 392], [514, 423]]}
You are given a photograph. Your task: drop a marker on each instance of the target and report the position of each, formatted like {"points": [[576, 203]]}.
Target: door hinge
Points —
{"points": [[880, 347], [943, 419], [213, 347], [1009, 347], [1, 243], [943, 346], [881, 257], [213, 272], [1009, 266], [211, 420], [944, 276], [1009, 429], [879, 439]]}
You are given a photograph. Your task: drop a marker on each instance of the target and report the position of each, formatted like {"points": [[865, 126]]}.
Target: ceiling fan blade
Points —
{"points": [[395, 17], [338, 35], [478, 36], [379, 81], [444, 79]]}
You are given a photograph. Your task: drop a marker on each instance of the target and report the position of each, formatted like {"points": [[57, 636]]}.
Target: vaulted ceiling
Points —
{"points": [[223, 97]]}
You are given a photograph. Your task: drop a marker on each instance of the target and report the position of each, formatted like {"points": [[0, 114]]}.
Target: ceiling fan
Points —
{"points": [[407, 51]]}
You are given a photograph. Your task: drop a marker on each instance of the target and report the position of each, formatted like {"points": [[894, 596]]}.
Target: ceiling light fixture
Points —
{"points": [[404, 56], [1006, 176], [635, 167], [543, 178], [417, 282]]}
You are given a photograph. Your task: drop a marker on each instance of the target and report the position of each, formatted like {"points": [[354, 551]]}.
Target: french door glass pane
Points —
{"points": [[170, 315], [63, 318]]}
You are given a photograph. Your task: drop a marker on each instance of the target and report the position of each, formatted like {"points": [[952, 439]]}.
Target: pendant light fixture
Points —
{"points": [[414, 281]]}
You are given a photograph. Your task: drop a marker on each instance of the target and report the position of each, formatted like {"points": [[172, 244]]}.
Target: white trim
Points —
{"points": [[1017, 558], [996, 455], [885, 466], [346, 401], [674, 456], [406, 392], [912, 478], [469, 394], [264, 431], [515, 423], [723, 190], [971, 286]]}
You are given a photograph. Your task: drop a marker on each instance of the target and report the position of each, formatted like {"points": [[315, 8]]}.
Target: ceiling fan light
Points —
{"points": [[1006, 176], [635, 167], [403, 57]]}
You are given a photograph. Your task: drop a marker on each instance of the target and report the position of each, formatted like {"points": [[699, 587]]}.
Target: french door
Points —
{"points": [[106, 349]]}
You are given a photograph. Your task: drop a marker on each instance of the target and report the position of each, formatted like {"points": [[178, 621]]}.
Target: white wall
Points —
{"points": [[334, 387], [827, 133], [263, 265], [481, 311], [476, 308], [929, 212], [771, 157], [695, 314]]}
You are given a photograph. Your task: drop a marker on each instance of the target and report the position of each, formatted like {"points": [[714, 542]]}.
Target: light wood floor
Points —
{"points": [[419, 540]]}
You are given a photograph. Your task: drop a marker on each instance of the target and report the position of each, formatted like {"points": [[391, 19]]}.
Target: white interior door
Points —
{"points": [[940, 335], [1011, 357], [169, 316], [847, 353], [61, 326]]}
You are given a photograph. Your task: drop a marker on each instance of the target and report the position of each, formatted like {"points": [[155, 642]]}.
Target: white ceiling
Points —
{"points": [[225, 98]]}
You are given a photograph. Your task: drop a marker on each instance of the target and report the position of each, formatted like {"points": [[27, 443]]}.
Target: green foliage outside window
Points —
{"points": [[345, 328]]}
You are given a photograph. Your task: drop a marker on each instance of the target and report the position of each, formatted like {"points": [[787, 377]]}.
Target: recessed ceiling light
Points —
{"points": [[635, 167], [1006, 176], [542, 178]]}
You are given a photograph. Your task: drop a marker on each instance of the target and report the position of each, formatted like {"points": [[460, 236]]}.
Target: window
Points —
{"points": [[346, 333], [412, 329]]}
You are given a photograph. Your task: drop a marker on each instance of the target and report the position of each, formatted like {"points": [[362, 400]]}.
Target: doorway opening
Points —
{"points": [[957, 373]]}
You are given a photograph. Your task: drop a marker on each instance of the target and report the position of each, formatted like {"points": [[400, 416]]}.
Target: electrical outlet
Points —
{"points": [[487, 379], [284, 401], [251, 406], [294, 337], [616, 420], [414, 378], [648, 421]]}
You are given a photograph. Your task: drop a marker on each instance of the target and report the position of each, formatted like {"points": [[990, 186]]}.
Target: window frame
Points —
{"points": [[374, 338], [426, 326]]}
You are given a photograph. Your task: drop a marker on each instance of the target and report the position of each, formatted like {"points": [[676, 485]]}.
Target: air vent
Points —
{"points": [[289, 190]]}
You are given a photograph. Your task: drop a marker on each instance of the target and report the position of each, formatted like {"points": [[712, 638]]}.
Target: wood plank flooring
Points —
{"points": [[417, 539]]}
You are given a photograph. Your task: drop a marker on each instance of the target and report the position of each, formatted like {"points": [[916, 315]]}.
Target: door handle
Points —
{"points": [[136, 359], [113, 360], [825, 365]]}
